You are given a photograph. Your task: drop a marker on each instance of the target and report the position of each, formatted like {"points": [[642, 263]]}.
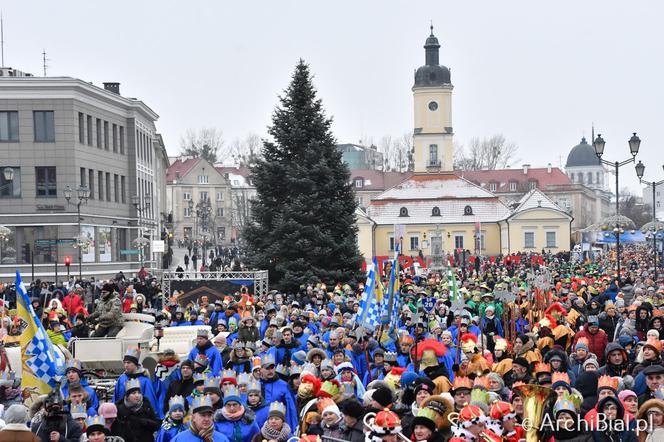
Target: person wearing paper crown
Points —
{"points": [[477, 364], [275, 429], [74, 375], [201, 426], [276, 389], [199, 387], [134, 371], [565, 424], [136, 413], [205, 347], [254, 402], [471, 425], [234, 419], [503, 422], [173, 424], [97, 431]]}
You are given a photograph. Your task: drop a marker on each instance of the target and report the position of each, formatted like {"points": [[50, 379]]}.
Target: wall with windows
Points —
{"points": [[537, 229]]}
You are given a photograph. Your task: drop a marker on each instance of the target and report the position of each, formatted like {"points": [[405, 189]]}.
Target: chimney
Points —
{"points": [[548, 168], [112, 87], [525, 169]]}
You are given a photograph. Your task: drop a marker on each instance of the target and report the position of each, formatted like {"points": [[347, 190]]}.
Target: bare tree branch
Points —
{"points": [[486, 153], [203, 143]]}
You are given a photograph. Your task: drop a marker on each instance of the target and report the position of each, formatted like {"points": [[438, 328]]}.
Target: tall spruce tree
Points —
{"points": [[303, 219]]}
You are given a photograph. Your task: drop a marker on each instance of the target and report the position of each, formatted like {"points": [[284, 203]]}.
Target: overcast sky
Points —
{"points": [[539, 73]]}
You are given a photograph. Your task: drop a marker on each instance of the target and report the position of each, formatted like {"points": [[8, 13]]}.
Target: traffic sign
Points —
{"points": [[128, 252], [429, 304]]}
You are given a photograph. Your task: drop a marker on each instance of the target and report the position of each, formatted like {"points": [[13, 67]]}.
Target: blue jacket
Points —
{"points": [[92, 395], [146, 390], [277, 390], [213, 356], [242, 430], [359, 361], [169, 430], [261, 415], [188, 436]]}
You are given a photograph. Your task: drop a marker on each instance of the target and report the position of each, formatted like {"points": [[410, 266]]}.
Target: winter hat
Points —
{"points": [[352, 408], [108, 410], [408, 378], [332, 408], [521, 361], [581, 345], [16, 414], [625, 394], [591, 361], [383, 396], [277, 409]]}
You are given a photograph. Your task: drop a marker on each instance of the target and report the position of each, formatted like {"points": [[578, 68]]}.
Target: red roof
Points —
{"points": [[242, 170], [180, 168], [503, 177], [378, 180]]}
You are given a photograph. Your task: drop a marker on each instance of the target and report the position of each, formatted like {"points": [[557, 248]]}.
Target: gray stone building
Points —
{"points": [[61, 133]]}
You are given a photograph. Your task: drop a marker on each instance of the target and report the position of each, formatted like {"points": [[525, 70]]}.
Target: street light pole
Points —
{"points": [[634, 144], [640, 169], [82, 193]]}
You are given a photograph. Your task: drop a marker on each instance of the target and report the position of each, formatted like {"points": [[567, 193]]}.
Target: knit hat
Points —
{"points": [[590, 361], [581, 345], [16, 414], [625, 394], [332, 408], [108, 410], [383, 396], [523, 362]]}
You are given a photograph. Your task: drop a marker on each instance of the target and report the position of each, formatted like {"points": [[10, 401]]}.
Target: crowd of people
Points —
{"points": [[302, 365]]}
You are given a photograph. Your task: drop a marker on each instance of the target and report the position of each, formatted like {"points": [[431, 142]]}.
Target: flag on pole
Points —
{"points": [[452, 283], [368, 312], [40, 363], [394, 290]]}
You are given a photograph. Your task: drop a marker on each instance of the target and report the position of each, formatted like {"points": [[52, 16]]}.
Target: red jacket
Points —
{"points": [[73, 304], [596, 343]]}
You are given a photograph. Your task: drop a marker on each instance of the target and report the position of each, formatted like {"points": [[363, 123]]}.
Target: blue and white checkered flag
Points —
{"points": [[368, 312]]}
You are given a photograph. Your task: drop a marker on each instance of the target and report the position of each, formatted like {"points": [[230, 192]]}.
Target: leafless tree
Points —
{"points": [[397, 152], [240, 211], [633, 208], [244, 151], [203, 143], [487, 153]]}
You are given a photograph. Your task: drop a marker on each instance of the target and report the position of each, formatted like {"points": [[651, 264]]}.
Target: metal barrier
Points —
{"points": [[259, 278]]}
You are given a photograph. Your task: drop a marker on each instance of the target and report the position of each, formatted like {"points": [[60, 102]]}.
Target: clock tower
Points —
{"points": [[432, 96]]}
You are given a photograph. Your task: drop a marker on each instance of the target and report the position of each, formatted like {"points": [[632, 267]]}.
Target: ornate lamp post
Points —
{"points": [[82, 194], [640, 169], [634, 144]]}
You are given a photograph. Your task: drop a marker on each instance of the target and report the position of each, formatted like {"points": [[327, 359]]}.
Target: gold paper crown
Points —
{"points": [[542, 367], [560, 377], [606, 381], [481, 382], [462, 382]]}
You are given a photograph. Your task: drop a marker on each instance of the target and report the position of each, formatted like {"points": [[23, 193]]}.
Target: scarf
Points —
{"points": [[133, 407], [232, 417], [270, 433], [203, 433]]}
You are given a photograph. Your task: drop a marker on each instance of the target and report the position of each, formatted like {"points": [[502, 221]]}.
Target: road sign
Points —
{"points": [[158, 246], [429, 304], [128, 252]]}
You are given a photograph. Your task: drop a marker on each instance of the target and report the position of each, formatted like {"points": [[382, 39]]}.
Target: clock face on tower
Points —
{"points": [[433, 105]]}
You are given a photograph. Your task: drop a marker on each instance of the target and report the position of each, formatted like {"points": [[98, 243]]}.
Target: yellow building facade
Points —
{"points": [[435, 210]]}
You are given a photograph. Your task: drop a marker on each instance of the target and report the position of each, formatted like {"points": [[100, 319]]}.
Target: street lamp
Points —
{"points": [[82, 194], [634, 144], [640, 169]]}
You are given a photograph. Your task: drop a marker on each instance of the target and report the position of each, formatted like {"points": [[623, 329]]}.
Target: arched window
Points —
{"points": [[467, 210], [435, 211], [403, 212], [580, 177]]}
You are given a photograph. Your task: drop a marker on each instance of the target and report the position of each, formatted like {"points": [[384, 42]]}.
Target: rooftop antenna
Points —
{"points": [[2, 39], [44, 60]]}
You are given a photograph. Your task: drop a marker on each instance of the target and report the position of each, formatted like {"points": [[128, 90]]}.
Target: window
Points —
{"points": [[220, 196], [433, 154], [203, 196], [202, 179], [115, 138], [116, 188], [513, 186], [551, 239], [81, 128], [221, 233], [220, 211], [529, 239], [91, 183], [122, 151], [44, 126], [108, 186], [98, 127], [187, 212], [88, 122], [435, 211], [106, 135], [46, 181], [590, 177], [492, 187], [10, 189], [414, 242], [403, 212], [100, 185], [458, 241], [482, 241], [186, 196], [467, 210], [123, 189], [84, 176], [391, 243], [359, 182], [532, 185], [9, 126]]}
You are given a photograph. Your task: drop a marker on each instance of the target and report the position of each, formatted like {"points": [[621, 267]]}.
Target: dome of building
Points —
{"points": [[583, 154], [432, 73]]}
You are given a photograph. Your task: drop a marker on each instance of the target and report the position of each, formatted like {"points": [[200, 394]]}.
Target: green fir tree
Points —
{"points": [[303, 219]]}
